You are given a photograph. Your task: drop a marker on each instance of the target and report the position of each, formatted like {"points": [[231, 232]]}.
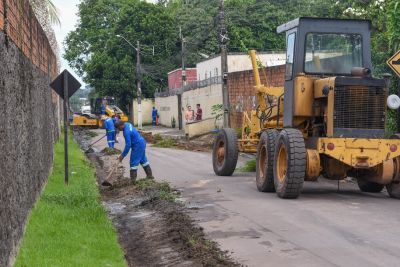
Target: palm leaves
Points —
{"points": [[51, 10]]}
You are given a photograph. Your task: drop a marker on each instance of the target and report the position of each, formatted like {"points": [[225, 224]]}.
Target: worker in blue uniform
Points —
{"points": [[110, 132], [134, 141], [154, 114]]}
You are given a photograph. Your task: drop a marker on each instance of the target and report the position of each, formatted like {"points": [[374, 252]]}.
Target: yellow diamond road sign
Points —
{"points": [[394, 63]]}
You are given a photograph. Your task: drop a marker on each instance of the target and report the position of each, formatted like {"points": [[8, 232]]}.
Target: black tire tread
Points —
{"points": [[269, 136], [369, 187], [295, 174], [231, 152]]}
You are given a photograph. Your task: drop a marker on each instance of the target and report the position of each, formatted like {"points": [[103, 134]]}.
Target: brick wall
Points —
{"points": [[242, 93], [18, 22]]}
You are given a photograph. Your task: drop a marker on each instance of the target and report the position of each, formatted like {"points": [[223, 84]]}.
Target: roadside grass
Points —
{"points": [[165, 143], [163, 189], [249, 166], [68, 226]]}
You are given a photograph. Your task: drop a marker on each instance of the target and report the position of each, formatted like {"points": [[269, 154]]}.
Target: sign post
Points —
{"points": [[65, 85]]}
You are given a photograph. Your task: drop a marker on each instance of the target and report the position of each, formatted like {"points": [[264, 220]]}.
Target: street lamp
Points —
{"points": [[138, 79]]}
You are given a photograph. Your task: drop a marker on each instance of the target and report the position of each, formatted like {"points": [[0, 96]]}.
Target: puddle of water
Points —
{"points": [[196, 206], [115, 208], [141, 214]]}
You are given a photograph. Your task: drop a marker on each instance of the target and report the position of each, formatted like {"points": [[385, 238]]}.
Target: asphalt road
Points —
{"points": [[324, 227]]}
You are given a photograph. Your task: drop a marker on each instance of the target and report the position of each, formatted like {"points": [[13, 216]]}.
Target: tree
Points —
{"points": [[107, 62]]}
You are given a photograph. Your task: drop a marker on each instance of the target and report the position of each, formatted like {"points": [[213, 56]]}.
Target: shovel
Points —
{"points": [[90, 149], [105, 181]]}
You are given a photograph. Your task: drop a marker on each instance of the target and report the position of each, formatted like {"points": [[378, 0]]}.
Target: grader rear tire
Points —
{"points": [[369, 187], [225, 152], [265, 161], [289, 163]]}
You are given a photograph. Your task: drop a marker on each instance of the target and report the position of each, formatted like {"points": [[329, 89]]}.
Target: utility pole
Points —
{"points": [[223, 40], [138, 81], [139, 84], [183, 57]]}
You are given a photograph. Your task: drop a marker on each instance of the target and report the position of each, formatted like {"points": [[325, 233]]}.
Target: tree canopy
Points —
{"points": [[107, 62]]}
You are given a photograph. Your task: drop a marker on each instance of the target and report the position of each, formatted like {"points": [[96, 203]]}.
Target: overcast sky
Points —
{"points": [[68, 10]]}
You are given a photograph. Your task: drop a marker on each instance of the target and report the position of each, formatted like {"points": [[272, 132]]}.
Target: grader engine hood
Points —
{"points": [[356, 106]]}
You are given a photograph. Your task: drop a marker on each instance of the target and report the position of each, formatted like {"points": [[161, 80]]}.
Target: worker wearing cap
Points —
{"points": [[134, 141], [110, 132]]}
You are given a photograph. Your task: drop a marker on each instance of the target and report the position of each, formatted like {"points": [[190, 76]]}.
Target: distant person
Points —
{"points": [[103, 109], [199, 113], [116, 118], [134, 141], [154, 114], [189, 114], [110, 132]]}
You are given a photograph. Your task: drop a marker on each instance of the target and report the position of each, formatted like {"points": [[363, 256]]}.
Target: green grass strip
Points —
{"points": [[68, 226]]}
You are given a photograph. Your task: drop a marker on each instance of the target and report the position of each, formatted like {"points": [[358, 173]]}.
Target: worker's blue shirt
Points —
{"points": [[154, 113], [132, 138], [109, 125]]}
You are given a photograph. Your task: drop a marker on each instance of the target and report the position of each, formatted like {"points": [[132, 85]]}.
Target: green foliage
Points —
{"points": [[163, 189], [68, 226], [249, 166], [157, 138], [107, 62], [165, 143], [217, 111]]}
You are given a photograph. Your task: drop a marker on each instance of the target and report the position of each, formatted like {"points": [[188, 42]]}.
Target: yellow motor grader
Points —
{"points": [[328, 119]]}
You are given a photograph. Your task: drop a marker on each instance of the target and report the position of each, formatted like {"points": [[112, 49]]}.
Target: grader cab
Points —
{"points": [[328, 119]]}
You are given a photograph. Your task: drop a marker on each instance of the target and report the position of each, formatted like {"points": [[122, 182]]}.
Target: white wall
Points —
{"points": [[167, 109], [236, 62], [147, 106], [206, 97]]}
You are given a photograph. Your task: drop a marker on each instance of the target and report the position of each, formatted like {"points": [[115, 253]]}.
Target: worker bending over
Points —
{"points": [[110, 132], [134, 140]]}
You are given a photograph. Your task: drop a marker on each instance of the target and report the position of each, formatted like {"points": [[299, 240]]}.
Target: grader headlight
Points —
{"points": [[393, 102]]}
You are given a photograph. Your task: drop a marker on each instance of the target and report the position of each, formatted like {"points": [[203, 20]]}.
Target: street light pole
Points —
{"points": [[139, 84], [138, 81]]}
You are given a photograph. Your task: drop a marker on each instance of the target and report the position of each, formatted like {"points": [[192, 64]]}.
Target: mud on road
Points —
{"points": [[153, 229]]}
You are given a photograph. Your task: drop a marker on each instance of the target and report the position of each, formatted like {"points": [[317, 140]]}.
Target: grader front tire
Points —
{"points": [[289, 163], [265, 161], [225, 152]]}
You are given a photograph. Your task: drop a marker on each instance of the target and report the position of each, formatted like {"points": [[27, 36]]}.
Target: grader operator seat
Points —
{"points": [[321, 48]]}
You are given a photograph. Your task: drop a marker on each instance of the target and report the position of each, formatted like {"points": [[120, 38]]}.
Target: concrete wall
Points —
{"points": [[199, 127], [206, 97], [236, 62], [28, 124], [167, 109], [241, 90], [147, 106]]}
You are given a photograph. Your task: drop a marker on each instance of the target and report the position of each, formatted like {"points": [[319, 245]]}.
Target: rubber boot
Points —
{"points": [[149, 173], [133, 174]]}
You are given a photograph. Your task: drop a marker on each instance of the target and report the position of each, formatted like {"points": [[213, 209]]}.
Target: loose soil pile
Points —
{"points": [[153, 229]]}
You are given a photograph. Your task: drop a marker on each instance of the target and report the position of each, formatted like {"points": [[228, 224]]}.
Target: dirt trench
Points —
{"points": [[153, 230]]}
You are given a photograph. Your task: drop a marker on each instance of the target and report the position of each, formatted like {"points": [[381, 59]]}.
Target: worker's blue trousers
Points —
{"points": [[154, 121], [111, 138], [138, 155]]}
